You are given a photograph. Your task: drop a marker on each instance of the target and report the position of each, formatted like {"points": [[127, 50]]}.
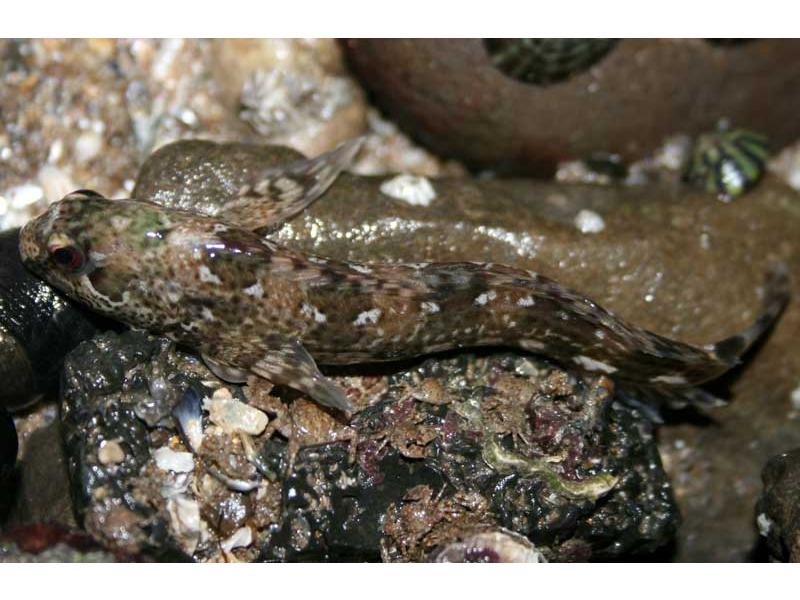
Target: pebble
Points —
{"points": [[417, 191], [88, 145], [588, 221], [233, 415], [168, 459], [110, 453]]}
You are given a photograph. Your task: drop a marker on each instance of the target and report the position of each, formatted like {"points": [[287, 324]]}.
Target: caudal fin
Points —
{"points": [[776, 295]]}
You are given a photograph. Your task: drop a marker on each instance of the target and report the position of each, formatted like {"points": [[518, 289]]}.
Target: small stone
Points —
{"points": [[168, 459], [110, 453], [88, 145], [417, 191], [56, 183], [588, 221], [233, 415], [24, 195]]}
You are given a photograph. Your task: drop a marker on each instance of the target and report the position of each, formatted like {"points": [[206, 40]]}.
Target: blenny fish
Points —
{"points": [[214, 283]]}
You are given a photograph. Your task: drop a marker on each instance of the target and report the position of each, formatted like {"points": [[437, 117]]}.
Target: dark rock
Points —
{"points": [[778, 509], [456, 440], [41, 493], [450, 96]]}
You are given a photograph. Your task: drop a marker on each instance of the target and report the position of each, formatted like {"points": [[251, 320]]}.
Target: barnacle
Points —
{"points": [[542, 61], [728, 163]]}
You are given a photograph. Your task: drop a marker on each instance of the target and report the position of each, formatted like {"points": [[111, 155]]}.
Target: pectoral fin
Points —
{"points": [[281, 193], [288, 363]]}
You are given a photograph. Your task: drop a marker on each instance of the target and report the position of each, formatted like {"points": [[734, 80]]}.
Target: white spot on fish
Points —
{"points": [[98, 258], [485, 297], [669, 379], [173, 292], [207, 276], [255, 290], [532, 345], [526, 301], [417, 191], [120, 223], [430, 308], [591, 364], [312, 311], [361, 268], [588, 221], [764, 524], [207, 314], [368, 316]]}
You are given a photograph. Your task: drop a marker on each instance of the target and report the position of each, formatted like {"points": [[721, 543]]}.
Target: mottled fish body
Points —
{"points": [[249, 305]]}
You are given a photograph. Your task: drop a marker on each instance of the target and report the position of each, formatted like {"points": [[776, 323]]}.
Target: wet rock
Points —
{"points": [[452, 97], [41, 491], [778, 509], [440, 451]]}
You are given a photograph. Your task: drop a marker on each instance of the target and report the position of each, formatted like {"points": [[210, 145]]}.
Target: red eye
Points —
{"points": [[69, 257]]}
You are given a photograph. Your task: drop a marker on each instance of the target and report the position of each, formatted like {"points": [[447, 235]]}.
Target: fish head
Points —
{"points": [[97, 251]]}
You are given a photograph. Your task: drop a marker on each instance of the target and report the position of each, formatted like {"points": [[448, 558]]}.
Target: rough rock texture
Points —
{"points": [[450, 97], [778, 509], [83, 114], [438, 451]]}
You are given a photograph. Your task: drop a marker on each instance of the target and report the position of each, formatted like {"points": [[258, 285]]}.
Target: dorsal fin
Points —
{"points": [[283, 192]]}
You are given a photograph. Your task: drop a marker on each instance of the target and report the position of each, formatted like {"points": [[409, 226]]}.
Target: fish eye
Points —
{"points": [[69, 257]]}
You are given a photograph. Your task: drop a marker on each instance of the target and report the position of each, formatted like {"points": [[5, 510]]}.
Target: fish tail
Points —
{"points": [[776, 296]]}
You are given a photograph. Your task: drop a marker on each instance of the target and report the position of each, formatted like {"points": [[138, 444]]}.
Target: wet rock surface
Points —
{"points": [[41, 490], [439, 452], [778, 509]]}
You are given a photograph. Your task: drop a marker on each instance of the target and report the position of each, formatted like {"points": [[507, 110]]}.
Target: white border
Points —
{"points": [[399, 18]]}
